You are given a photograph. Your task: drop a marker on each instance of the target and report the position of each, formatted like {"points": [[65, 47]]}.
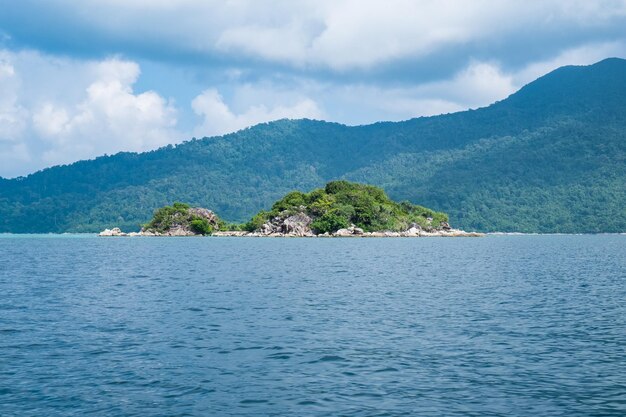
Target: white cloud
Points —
{"points": [[50, 120], [585, 54], [14, 157], [110, 118], [218, 118], [341, 35], [58, 110], [363, 34], [12, 115], [282, 43], [478, 84]]}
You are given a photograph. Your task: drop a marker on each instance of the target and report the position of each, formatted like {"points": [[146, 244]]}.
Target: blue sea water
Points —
{"points": [[496, 326]]}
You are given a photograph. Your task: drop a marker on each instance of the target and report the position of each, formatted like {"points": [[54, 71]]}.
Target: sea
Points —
{"points": [[528, 325]]}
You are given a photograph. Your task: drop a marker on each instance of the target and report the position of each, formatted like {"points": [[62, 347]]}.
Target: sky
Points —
{"points": [[79, 79]]}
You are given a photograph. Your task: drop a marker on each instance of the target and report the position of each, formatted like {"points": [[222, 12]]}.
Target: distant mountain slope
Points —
{"points": [[550, 158]]}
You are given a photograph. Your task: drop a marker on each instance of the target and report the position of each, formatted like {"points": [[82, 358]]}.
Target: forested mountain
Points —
{"points": [[549, 158]]}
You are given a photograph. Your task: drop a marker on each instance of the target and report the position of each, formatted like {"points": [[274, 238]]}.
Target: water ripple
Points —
{"points": [[525, 326]]}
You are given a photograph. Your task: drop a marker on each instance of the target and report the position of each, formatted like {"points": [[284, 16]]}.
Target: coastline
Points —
{"points": [[342, 233], [384, 234], [83, 235]]}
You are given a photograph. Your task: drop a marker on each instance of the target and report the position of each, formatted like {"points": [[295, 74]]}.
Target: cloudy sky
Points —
{"points": [[83, 78]]}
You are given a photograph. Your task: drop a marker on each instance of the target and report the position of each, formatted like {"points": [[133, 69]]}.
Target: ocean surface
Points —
{"points": [[494, 326]]}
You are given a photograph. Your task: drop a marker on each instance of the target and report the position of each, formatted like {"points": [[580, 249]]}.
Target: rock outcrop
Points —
{"points": [[112, 232], [207, 214], [182, 220], [287, 225], [350, 231]]}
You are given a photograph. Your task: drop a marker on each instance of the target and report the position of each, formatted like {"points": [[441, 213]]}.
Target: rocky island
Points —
{"points": [[340, 209]]}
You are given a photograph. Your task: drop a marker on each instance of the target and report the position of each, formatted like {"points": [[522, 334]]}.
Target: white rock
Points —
{"points": [[112, 232], [413, 232], [343, 232]]}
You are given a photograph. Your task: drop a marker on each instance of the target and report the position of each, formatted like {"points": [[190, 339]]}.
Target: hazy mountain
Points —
{"points": [[550, 158]]}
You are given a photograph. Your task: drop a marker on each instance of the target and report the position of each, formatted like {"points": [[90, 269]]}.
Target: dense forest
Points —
{"points": [[549, 158]]}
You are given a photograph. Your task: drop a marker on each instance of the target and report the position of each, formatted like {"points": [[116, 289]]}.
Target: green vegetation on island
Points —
{"points": [[182, 220], [340, 208], [342, 204]]}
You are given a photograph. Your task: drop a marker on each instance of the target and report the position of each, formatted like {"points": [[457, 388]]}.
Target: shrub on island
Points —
{"points": [[180, 219], [341, 204]]}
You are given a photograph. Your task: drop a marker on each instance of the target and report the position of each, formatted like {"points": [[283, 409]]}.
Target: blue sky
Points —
{"points": [[82, 78]]}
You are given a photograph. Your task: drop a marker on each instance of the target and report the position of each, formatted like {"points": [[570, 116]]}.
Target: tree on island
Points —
{"points": [[339, 205]]}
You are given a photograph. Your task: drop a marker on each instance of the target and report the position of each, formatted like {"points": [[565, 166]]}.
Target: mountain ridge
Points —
{"points": [[547, 122], [530, 86]]}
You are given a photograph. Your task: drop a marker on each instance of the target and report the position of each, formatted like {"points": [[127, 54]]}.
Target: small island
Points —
{"points": [[340, 209]]}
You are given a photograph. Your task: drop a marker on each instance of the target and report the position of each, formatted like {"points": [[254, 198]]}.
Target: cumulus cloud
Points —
{"points": [[100, 112], [58, 110], [12, 115], [13, 119], [110, 118], [218, 118]]}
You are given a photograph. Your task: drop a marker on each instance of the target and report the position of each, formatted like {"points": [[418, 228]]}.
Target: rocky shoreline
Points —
{"points": [[352, 232]]}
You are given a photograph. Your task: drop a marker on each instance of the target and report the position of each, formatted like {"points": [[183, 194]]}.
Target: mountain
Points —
{"points": [[549, 158]]}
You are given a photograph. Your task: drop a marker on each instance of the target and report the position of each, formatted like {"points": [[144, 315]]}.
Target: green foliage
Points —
{"points": [[167, 216], [342, 203], [337, 187], [234, 227], [291, 202], [550, 158], [201, 226], [180, 206], [179, 214], [322, 203], [257, 221], [328, 223]]}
